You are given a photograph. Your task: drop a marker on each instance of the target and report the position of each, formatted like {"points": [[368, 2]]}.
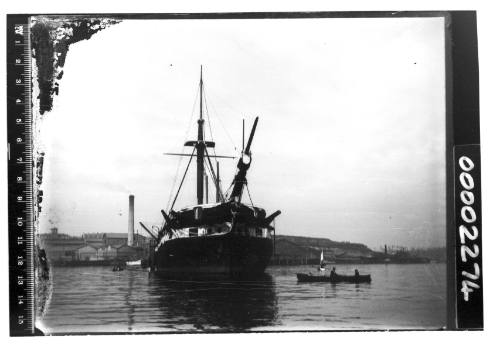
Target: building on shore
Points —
{"points": [[114, 239], [107, 253], [125, 252], [95, 239], [61, 247], [87, 253]]}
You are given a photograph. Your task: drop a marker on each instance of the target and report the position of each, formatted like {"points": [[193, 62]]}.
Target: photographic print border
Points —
{"points": [[463, 175]]}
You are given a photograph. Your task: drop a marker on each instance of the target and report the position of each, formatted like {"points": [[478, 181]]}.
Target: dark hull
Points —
{"points": [[215, 256], [334, 279]]}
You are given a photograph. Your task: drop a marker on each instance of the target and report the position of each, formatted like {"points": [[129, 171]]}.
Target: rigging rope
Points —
{"points": [[208, 115], [175, 179], [248, 191], [209, 101], [183, 151], [226, 194], [210, 174], [208, 165], [208, 119], [182, 181]]}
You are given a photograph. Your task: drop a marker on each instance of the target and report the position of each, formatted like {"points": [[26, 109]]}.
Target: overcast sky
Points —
{"points": [[350, 143]]}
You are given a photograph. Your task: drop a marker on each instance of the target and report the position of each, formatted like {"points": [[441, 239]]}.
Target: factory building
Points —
{"points": [[87, 253], [91, 246], [95, 246]]}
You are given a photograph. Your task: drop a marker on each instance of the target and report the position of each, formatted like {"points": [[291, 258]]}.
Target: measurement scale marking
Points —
{"points": [[21, 234]]}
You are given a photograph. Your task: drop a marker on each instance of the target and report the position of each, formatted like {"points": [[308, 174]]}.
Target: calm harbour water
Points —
{"points": [[95, 299]]}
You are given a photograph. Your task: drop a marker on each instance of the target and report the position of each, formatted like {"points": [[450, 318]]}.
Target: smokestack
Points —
{"points": [[130, 240]]}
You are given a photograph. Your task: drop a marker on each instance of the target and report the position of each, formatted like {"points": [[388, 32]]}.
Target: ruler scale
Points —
{"points": [[20, 177]]}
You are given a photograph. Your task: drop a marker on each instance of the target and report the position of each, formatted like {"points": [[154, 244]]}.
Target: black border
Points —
{"points": [[462, 110], [463, 133], [21, 316]]}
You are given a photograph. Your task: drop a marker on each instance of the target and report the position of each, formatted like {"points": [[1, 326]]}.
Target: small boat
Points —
{"points": [[134, 263], [301, 277], [117, 268], [321, 263]]}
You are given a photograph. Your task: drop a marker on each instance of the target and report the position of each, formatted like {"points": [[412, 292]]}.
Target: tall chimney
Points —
{"points": [[130, 240]]}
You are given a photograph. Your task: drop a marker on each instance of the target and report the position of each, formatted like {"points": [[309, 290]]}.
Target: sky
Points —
{"points": [[349, 146]]}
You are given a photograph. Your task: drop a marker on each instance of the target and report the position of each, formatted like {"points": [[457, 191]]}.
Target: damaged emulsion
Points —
{"points": [[50, 41]]}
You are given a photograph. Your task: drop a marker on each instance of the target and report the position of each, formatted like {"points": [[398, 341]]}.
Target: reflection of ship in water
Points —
{"points": [[129, 304], [215, 305]]}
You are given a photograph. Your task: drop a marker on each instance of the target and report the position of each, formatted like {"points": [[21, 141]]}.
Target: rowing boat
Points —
{"points": [[301, 277]]}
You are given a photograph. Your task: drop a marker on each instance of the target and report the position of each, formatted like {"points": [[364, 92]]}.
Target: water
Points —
{"points": [[95, 299]]}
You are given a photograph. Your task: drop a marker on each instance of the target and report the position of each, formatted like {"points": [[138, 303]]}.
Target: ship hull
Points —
{"points": [[215, 256]]}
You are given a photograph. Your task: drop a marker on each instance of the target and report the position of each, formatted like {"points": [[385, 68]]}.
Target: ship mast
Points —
{"points": [[200, 147]]}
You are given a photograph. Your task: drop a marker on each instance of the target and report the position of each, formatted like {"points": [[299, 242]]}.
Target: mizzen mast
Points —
{"points": [[240, 179]]}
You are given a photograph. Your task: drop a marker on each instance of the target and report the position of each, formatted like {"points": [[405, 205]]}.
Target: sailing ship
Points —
{"points": [[321, 263], [225, 238]]}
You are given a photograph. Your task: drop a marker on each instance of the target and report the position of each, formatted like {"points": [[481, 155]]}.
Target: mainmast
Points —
{"points": [[200, 147]]}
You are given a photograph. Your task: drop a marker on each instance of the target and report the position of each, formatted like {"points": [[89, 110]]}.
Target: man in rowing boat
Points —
{"points": [[332, 273]]}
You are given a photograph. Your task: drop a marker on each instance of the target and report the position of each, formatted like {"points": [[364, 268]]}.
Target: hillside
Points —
{"points": [[325, 243], [307, 250], [294, 250]]}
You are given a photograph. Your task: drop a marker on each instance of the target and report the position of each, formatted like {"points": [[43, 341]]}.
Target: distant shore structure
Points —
{"points": [[302, 250], [290, 250], [130, 241], [92, 247]]}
